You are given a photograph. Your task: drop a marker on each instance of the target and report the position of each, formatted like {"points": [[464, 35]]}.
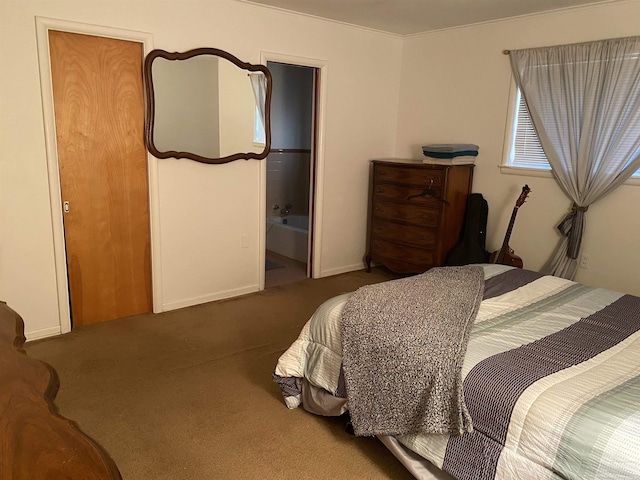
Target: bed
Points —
{"points": [[550, 379]]}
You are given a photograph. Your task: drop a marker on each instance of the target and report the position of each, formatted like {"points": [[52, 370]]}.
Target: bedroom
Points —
{"points": [[466, 97], [473, 78]]}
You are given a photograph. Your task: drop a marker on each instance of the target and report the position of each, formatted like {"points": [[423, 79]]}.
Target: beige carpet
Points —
{"points": [[188, 394]]}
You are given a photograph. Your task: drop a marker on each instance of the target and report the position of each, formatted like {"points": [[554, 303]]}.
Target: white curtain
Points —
{"points": [[259, 86], [584, 102]]}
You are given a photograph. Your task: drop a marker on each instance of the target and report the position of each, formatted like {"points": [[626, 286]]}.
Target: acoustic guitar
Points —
{"points": [[506, 255]]}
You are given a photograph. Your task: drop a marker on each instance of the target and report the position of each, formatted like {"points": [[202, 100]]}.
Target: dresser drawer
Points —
{"points": [[412, 234], [416, 212], [409, 175], [411, 255], [404, 193], [419, 215]]}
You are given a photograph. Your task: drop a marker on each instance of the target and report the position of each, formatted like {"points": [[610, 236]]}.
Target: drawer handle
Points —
{"points": [[429, 192]]}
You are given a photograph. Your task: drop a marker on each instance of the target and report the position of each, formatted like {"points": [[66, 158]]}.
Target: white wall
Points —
{"points": [[204, 210], [455, 89]]}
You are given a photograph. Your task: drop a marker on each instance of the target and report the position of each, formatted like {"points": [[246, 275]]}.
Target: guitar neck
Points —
{"points": [[505, 244]]}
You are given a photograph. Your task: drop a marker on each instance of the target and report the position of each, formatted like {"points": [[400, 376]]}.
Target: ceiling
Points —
{"points": [[406, 17]]}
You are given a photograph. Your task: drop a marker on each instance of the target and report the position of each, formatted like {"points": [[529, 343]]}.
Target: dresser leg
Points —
{"points": [[368, 260]]}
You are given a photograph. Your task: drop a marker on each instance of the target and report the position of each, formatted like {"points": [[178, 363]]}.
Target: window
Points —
{"points": [[259, 135], [525, 150]]}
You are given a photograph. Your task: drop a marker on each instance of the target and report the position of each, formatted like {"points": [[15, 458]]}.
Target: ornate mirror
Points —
{"points": [[206, 105]]}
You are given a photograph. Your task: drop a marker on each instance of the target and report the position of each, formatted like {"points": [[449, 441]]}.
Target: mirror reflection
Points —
{"points": [[206, 105]]}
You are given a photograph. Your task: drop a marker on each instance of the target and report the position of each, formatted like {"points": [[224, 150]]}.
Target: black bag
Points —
{"points": [[473, 238]]}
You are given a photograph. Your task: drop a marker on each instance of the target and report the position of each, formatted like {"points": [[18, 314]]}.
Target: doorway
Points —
{"points": [[290, 174], [98, 104], [44, 25]]}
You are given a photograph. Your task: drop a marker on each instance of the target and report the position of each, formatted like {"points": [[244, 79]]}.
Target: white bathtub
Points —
{"points": [[289, 236]]}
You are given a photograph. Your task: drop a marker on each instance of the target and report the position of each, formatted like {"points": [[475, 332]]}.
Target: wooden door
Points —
{"points": [[99, 117]]}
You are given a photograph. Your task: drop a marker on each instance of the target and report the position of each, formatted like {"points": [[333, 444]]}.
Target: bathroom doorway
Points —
{"points": [[290, 174]]}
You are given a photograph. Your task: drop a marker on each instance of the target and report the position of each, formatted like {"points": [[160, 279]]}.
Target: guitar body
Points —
{"points": [[509, 258], [505, 255]]}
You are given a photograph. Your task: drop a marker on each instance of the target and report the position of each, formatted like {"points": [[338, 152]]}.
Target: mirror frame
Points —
{"points": [[150, 100]]}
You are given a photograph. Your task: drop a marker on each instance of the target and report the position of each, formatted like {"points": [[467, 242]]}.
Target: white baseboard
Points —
{"points": [[54, 331], [210, 298], [338, 271], [42, 333]]}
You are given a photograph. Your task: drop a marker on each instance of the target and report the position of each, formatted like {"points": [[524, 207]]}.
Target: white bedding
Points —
{"points": [[579, 419]]}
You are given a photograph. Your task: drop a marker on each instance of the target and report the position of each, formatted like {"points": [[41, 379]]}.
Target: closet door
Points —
{"points": [[99, 118]]}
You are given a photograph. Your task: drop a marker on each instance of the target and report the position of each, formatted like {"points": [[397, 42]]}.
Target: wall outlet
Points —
{"points": [[584, 262], [244, 240]]}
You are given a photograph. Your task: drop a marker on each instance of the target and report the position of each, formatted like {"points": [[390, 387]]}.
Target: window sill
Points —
{"points": [[528, 172], [537, 172]]}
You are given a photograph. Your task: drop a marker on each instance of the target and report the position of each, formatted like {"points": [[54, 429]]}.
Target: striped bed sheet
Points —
{"points": [[551, 380]]}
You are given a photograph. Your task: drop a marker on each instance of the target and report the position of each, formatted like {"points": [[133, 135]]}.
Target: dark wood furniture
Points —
{"points": [[35, 441], [416, 213]]}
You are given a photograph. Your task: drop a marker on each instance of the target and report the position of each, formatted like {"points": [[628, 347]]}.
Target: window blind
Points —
{"points": [[526, 151]]}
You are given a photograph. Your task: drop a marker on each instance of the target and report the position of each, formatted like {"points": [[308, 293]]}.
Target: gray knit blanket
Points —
{"points": [[403, 344]]}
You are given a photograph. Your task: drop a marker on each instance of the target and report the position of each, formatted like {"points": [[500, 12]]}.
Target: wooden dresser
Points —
{"points": [[416, 213], [36, 442]]}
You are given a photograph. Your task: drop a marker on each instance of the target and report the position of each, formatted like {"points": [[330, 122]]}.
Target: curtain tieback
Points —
{"points": [[577, 208]]}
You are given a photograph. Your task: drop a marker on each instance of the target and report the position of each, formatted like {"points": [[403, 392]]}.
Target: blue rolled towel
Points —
{"points": [[450, 148], [467, 153]]}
